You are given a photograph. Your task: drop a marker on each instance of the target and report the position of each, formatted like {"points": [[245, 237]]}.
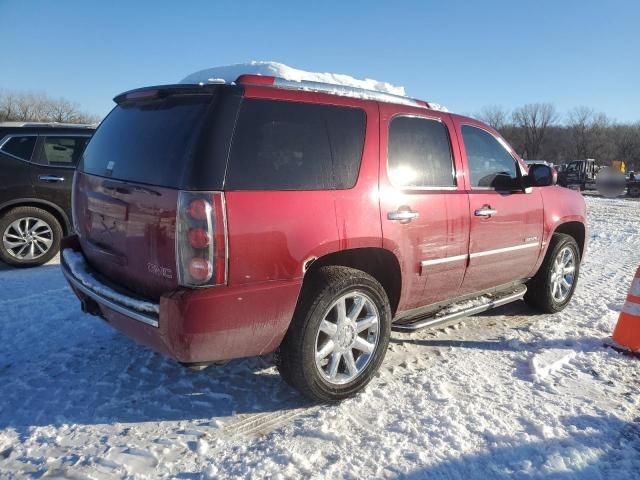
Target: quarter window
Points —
{"points": [[419, 154], [21, 147], [490, 164], [62, 151], [295, 146]]}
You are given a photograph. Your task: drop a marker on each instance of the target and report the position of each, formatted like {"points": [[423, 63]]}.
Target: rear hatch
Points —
{"points": [[154, 143]]}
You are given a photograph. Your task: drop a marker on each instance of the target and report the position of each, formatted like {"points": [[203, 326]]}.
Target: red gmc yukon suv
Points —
{"points": [[221, 221]]}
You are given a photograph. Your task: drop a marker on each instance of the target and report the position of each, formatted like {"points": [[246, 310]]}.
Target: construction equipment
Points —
{"points": [[618, 166]]}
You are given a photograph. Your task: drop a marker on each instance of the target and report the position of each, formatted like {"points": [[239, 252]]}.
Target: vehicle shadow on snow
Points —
{"points": [[513, 309], [584, 344], [107, 379], [598, 447], [516, 309], [6, 267]]}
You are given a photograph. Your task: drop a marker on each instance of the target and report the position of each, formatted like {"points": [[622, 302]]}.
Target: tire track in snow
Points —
{"points": [[259, 424]]}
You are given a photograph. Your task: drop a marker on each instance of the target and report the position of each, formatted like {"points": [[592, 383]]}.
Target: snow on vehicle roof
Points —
{"points": [[230, 73]]}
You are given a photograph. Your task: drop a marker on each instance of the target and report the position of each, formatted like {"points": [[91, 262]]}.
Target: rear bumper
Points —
{"points": [[196, 326], [90, 295]]}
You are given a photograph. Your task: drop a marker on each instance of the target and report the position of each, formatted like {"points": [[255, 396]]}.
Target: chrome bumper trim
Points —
{"points": [[128, 312]]}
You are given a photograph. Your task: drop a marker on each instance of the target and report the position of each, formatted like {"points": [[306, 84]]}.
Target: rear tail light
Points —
{"points": [[201, 239]]}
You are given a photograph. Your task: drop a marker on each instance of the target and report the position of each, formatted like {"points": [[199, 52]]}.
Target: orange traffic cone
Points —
{"points": [[627, 331]]}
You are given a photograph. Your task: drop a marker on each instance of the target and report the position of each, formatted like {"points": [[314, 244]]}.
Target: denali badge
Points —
{"points": [[159, 271], [530, 239]]}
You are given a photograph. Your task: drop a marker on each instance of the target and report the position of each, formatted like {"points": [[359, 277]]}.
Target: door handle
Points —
{"points": [[50, 178], [402, 215], [485, 212]]}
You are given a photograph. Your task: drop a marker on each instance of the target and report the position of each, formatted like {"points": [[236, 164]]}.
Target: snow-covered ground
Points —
{"points": [[507, 394]]}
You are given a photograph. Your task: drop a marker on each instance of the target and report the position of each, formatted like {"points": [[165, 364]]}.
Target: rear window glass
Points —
{"points": [[282, 145], [21, 147], [62, 151], [148, 142]]}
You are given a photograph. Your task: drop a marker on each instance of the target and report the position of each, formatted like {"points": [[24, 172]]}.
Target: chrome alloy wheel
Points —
{"points": [[27, 238], [563, 274], [347, 337]]}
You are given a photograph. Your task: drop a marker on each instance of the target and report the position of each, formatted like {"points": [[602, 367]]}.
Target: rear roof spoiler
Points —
{"points": [[159, 91]]}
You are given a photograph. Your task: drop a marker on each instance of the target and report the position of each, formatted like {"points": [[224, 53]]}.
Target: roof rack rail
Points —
{"points": [[335, 89], [48, 124]]}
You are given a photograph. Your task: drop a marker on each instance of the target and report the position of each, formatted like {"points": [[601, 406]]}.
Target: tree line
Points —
{"points": [[537, 131], [17, 106]]}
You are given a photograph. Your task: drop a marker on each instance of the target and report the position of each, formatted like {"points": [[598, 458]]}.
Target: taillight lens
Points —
{"points": [[200, 269], [198, 209], [201, 239]]}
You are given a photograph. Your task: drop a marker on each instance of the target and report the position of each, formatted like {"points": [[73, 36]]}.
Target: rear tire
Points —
{"points": [[319, 334], [29, 236], [551, 289]]}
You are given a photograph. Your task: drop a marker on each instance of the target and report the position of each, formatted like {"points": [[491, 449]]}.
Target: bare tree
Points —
{"points": [[8, 105], [63, 111], [495, 116], [585, 133], [588, 131], [627, 144], [38, 107], [534, 119]]}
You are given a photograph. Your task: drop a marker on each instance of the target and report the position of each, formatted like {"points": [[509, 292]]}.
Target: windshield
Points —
{"points": [[573, 166]]}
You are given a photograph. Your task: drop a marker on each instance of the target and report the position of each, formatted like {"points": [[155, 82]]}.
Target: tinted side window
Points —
{"points": [[419, 153], [62, 151], [21, 147], [295, 146], [490, 164]]}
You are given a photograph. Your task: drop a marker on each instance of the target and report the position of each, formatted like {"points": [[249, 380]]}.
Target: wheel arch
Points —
{"points": [[576, 230], [50, 207], [380, 263]]}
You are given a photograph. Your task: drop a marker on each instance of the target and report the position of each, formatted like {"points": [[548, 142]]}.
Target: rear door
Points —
{"points": [[16, 151], [54, 164], [424, 208], [506, 222]]}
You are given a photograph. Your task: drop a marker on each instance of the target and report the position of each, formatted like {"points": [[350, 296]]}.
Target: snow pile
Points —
{"points": [[78, 266], [230, 73], [548, 361]]}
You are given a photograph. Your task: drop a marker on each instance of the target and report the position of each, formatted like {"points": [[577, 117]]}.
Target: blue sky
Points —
{"points": [[462, 54]]}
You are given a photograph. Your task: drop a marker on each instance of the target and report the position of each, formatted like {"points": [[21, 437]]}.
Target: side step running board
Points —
{"points": [[439, 317]]}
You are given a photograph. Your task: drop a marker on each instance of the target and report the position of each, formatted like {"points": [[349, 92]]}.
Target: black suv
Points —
{"points": [[37, 161]]}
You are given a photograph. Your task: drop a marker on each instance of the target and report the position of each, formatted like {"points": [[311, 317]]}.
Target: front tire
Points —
{"points": [[551, 289], [634, 191], [338, 336], [29, 236]]}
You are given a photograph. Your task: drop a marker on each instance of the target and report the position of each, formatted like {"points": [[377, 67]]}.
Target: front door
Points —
{"points": [[424, 207], [506, 222]]}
